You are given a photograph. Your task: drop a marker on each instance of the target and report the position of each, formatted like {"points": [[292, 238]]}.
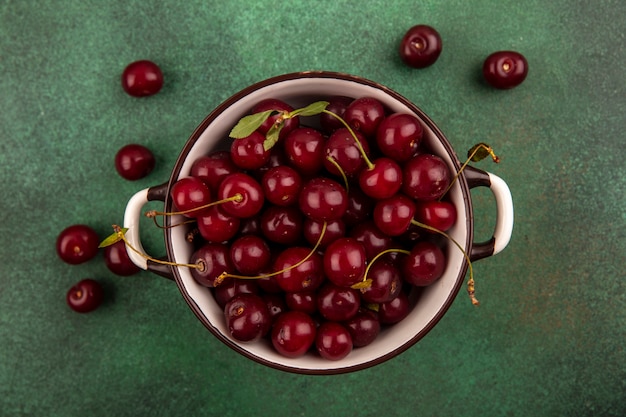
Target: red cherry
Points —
{"points": [[293, 334], [505, 69], [134, 161], [383, 180], [117, 260], [438, 214], [333, 341], [142, 78], [85, 296], [425, 264], [77, 244], [421, 46]]}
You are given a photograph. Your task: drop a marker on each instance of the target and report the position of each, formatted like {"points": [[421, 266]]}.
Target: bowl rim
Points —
{"points": [[462, 182]]}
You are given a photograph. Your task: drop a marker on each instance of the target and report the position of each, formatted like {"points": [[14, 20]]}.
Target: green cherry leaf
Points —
{"points": [[272, 136], [479, 152], [113, 238], [310, 110], [248, 124]]}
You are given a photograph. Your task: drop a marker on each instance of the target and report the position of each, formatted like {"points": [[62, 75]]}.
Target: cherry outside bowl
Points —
{"points": [[301, 89]]}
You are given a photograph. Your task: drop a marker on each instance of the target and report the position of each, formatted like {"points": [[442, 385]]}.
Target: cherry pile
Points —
{"points": [[316, 225]]}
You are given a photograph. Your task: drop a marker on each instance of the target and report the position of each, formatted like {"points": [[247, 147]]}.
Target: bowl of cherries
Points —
{"points": [[319, 223]]}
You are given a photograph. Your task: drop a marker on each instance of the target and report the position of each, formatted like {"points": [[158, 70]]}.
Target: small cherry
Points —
{"points": [[438, 214], [505, 69], [300, 269], [142, 78], [382, 180], [395, 310], [213, 168], [342, 149], [337, 303], [250, 254], [247, 317], [364, 327], [386, 283], [217, 226], [85, 296], [282, 224], [214, 259], [426, 177], [336, 105], [304, 148], [117, 260], [231, 287], [424, 265], [312, 230], [248, 190], [305, 301], [281, 185], [323, 199], [393, 215], [77, 244], [190, 195], [399, 136], [345, 262], [134, 161], [333, 341], [249, 153], [365, 114], [293, 333], [420, 46]]}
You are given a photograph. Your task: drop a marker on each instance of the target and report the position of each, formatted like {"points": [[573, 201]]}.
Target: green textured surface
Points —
{"points": [[548, 339]]}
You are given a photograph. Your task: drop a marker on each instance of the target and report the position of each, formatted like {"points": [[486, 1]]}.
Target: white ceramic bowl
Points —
{"points": [[300, 89]]}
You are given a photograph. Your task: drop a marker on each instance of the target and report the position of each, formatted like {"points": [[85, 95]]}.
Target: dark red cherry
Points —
{"points": [[213, 168], [293, 333], [342, 148], [217, 226], [85, 296], [248, 189], [142, 78], [282, 224], [312, 230], [231, 287], [365, 114], [250, 254], [281, 185], [399, 136], [438, 214], [323, 199], [386, 283], [393, 215], [134, 161], [189, 196], [247, 317], [364, 327], [214, 259], [304, 148], [424, 265], [275, 305], [117, 260], [333, 341], [420, 46], [77, 244], [305, 301], [395, 310], [345, 262], [505, 69], [337, 303], [279, 106], [426, 177], [372, 238], [297, 275], [249, 153], [336, 105], [383, 180], [360, 207]]}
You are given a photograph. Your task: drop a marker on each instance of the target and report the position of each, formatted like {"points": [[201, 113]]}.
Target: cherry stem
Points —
{"points": [[225, 275], [237, 198], [480, 146], [369, 163], [341, 171], [470, 282], [122, 237]]}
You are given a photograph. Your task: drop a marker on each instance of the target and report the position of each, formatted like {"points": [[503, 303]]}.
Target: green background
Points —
{"points": [[548, 338]]}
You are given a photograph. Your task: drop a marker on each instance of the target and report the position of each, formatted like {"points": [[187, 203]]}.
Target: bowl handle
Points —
{"points": [[504, 212], [132, 215]]}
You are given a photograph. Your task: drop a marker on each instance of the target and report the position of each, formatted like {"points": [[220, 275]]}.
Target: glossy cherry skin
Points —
{"points": [[77, 244], [372, 238], [305, 301], [134, 161], [344, 262], [399, 136], [213, 168], [420, 46], [426, 177], [247, 317], [306, 276], [142, 78], [117, 260], [217, 226], [393, 215], [85, 296], [364, 327], [505, 69], [323, 199], [365, 114], [250, 254], [395, 310], [231, 287], [383, 180], [344, 151], [438, 214], [190, 195], [360, 207], [304, 148], [337, 303], [386, 283], [282, 224], [293, 333], [424, 265], [280, 106], [333, 341], [312, 230], [215, 259], [248, 188], [281, 185], [249, 153]]}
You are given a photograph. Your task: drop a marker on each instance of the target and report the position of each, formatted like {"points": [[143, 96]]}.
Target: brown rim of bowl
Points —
{"points": [[342, 76]]}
